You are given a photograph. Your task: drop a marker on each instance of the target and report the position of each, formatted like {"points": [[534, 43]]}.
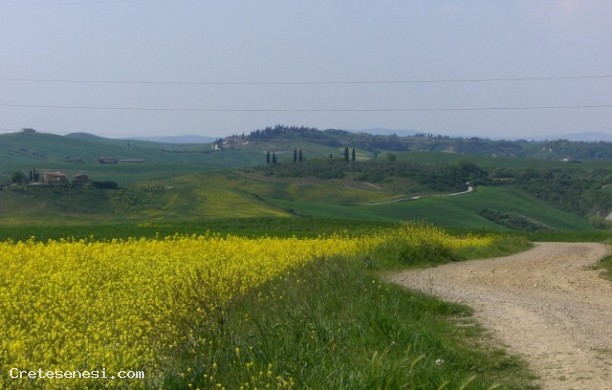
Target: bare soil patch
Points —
{"points": [[546, 304]]}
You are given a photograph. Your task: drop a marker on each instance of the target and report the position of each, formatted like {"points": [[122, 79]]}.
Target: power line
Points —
{"points": [[76, 2], [416, 109], [328, 82]]}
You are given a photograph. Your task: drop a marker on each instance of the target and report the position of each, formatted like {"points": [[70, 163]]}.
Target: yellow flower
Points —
{"points": [[120, 304]]}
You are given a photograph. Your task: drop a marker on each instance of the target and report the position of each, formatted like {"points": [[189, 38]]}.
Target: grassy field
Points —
{"points": [[159, 196], [453, 212], [435, 158], [193, 182], [336, 325], [244, 227], [48, 152], [250, 227]]}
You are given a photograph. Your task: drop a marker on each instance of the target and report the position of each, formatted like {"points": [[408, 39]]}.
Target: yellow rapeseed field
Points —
{"points": [[117, 308]]}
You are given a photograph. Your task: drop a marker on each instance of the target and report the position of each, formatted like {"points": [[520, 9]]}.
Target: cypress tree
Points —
{"points": [[268, 157]]}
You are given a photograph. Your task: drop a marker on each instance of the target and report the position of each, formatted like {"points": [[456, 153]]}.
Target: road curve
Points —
{"points": [[545, 304]]}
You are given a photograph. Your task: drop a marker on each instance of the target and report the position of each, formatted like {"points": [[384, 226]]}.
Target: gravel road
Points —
{"points": [[545, 304]]}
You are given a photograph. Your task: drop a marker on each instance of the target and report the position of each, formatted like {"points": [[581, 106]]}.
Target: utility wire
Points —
{"points": [[289, 83], [183, 109], [76, 2]]}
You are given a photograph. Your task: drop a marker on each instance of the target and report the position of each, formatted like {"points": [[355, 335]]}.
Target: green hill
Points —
{"points": [[287, 138], [27, 150], [160, 181], [250, 193], [143, 160]]}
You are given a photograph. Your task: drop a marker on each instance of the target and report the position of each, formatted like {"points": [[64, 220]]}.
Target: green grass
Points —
{"points": [[568, 236], [504, 245], [195, 196], [335, 325], [197, 185], [435, 158], [606, 265], [397, 253], [246, 227], [452, 212], [48, 151], [227, 194]]}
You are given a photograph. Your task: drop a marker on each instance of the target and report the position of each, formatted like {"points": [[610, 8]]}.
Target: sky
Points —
{"points": [[117, 68]]}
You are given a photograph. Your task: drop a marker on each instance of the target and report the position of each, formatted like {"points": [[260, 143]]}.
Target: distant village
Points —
{"points": [[56, 178]]}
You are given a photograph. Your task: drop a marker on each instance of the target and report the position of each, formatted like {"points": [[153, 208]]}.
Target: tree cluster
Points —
{"points": [[576, 191], [436, 178]]}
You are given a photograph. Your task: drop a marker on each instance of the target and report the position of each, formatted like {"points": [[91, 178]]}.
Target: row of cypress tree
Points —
{"points": [[299, 157]]}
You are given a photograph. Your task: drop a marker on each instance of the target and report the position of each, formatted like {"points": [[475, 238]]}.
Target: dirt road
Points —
{"points": [[545, 304]]}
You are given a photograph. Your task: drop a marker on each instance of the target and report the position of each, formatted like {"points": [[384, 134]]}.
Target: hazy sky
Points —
{"points": [[172, 67]]}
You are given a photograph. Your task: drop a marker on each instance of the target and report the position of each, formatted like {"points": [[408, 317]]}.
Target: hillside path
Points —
{"points": [[546, 305], [469, 189]]}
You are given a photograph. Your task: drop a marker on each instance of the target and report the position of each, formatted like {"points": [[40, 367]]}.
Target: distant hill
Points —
{"points": [[578, 137], [286, 138], [384, 131], [158, 181], [77, 151], [177, 139], [148, 142]]}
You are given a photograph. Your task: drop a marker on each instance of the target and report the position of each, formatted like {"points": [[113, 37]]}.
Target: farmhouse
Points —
{"points": [[55, 178], [107, 160]]}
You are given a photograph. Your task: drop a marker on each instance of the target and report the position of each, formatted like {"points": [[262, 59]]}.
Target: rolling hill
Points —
{"points": [[235, 194], [288, 138], [79, 152], [33, 149], [159, 181]]}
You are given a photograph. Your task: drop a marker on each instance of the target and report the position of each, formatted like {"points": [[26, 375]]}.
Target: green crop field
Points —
{"points": [[435, 158], [460, 211], [157, 195]]}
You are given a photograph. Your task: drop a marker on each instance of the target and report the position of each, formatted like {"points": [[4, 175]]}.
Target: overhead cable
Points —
{"points": [[414, 109], [305, 82]]}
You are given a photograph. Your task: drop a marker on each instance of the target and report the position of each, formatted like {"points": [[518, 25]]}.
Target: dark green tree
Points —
{"points": [[295, 157], [353, 156], [18, 177], [268, 157], [105, 185]]}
